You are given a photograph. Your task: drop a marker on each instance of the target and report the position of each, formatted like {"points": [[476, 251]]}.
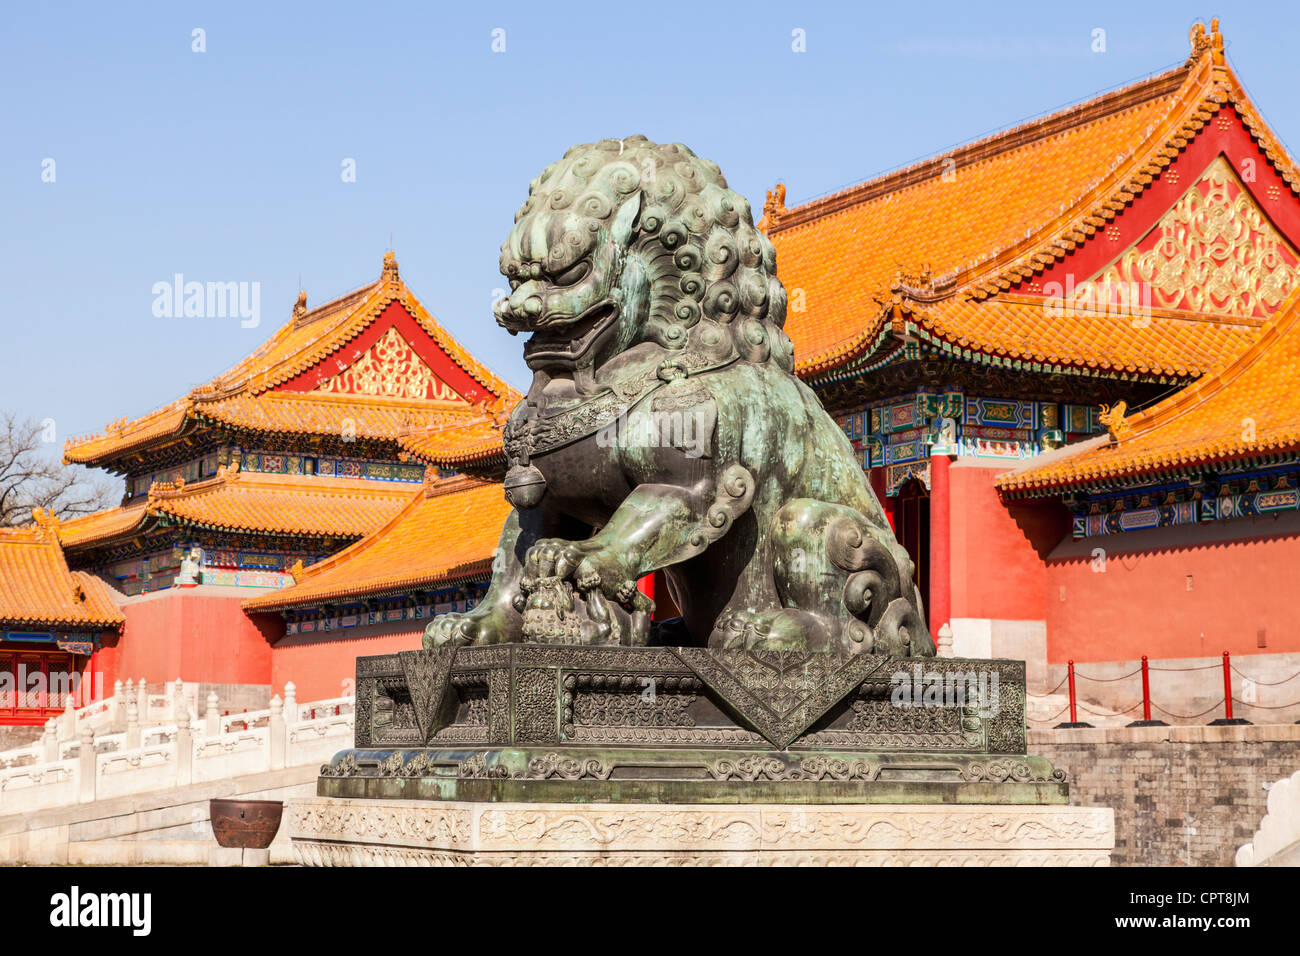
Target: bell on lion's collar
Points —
{"points": [[524, 486]]}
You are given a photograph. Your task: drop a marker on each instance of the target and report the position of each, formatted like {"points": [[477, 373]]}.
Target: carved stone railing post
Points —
{"points": [[86, 766], [212, 716], [290, 702], [132, 741], [192, 700], [128, 695], [50, 741], [184, 743], [69, 729], [115, 705], [278, 735], [944, 648], [142, 699]]}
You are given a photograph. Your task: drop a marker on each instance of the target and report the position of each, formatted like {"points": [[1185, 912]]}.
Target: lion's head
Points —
{"points": [[625, 243]]}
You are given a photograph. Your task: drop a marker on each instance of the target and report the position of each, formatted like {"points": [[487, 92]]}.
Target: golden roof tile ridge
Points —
{"points": [[1055, 122]]}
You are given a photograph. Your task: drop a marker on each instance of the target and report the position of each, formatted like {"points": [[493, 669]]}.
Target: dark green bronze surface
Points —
{"points": [[531, 722], [638, 776], [664, 430]]}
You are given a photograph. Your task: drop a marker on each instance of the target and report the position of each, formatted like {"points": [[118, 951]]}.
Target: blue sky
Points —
{"points": [[226, 165]]}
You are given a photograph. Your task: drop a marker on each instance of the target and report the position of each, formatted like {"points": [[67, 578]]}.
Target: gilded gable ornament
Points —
{"points": [[390, 368], [1214, 251]]}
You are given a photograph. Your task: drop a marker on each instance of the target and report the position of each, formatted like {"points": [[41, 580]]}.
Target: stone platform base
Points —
{"points": [[238, 856], [328, 831]]}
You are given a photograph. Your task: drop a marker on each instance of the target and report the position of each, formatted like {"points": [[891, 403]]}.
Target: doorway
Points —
{"points": [[912, 528]]}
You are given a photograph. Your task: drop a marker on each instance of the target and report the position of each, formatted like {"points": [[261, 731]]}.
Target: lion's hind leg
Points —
{"points": [[841, 585]]}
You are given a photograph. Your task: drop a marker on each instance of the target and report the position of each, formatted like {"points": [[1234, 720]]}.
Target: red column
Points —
{"points": [[877, 479], [646, 586], [940, 609]]}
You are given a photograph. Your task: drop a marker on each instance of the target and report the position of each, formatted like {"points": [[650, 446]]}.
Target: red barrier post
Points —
{"points": [[1074, 701], [1227, 686], [1146, 690], [1074, 712]]}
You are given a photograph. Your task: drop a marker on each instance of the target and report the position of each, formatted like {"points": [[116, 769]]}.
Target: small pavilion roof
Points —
{"points": [[1247, 409], [446, 533], [267, 391], [38, 590], [249, 502]]}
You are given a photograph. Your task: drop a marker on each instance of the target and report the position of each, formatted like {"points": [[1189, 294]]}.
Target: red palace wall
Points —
{"points": [[996, 553], [1193, 591], [197, 634], [323, 666]]}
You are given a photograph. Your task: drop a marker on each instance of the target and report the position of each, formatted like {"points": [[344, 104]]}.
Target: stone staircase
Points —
{"points": [[104, 786], [166, 826]]}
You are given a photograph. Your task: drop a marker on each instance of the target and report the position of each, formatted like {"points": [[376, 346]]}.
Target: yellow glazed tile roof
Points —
{"points": [[1178, 346], [965, 226], [459, 443], [447, 533], [102, 525], [319, 414], [1247, 408], [242, 396], [252, 502], [37, 589]]}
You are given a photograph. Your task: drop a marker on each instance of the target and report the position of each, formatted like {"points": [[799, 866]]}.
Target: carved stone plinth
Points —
{"points": [[568, 724], [532, 695], [334, 832]]}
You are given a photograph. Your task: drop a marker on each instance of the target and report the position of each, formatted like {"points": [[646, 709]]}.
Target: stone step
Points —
{"points": [[162, 826], [160, 852]]}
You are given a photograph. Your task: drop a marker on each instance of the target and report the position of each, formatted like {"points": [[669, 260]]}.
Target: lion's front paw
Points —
{"points": [[607, 573], [552, 558], [590, 569]]}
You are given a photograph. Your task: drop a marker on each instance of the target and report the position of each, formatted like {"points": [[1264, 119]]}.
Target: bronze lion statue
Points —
{"points": [[665, 430]]}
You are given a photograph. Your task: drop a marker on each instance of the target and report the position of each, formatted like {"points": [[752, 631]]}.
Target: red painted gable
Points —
{"points": [[397, 318]]}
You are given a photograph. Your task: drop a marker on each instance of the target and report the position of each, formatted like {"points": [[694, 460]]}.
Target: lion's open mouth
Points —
{"points": [[563, 345]]}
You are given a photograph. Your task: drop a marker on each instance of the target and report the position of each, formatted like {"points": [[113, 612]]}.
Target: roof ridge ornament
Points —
{"points": [[300, 307], [47, 523], [1113, 418], [773, 207], [389, 273], [1203, 43], [923, 285]]}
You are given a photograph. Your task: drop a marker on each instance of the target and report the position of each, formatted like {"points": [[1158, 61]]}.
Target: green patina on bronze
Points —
{"points": [[535, 722], [664, 430]]}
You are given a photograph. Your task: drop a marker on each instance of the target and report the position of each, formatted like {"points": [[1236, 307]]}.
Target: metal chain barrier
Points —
{"points": [[1109, 680], [1168, 713], [1264, 683], [1050, 692], [1048, 720], [1266, 706], [1146, 703], [1118, 713]]}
